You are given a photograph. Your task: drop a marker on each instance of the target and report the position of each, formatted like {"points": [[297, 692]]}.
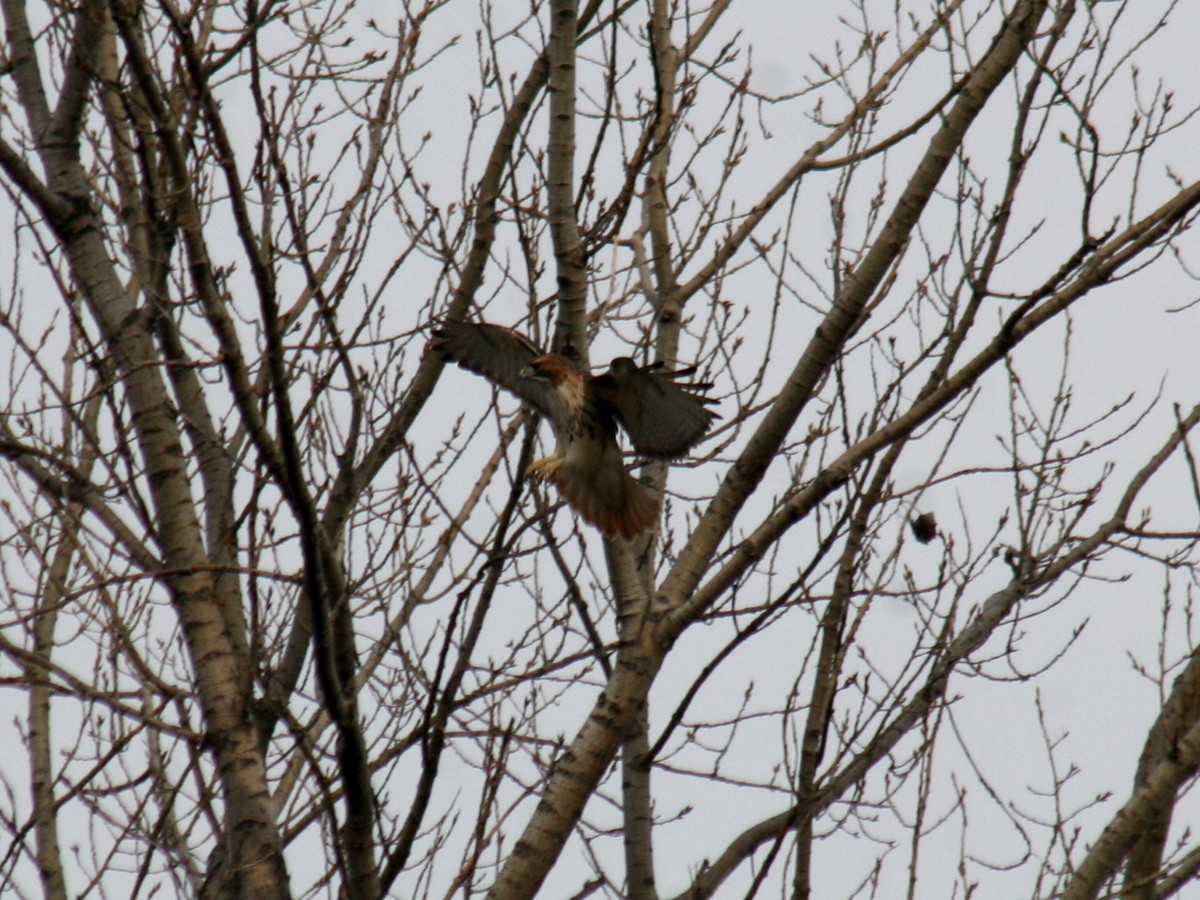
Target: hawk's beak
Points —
{"points": [[527, 372]]}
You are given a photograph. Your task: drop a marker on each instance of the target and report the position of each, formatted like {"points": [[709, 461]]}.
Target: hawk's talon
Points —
{"points": [[544, 469]]}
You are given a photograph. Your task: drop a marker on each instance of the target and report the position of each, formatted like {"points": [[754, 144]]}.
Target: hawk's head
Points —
{"points": [[551, 368], [566, 377]]}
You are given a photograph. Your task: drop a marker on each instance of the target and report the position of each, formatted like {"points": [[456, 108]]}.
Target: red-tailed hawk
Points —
{"points": [[663, 418]]}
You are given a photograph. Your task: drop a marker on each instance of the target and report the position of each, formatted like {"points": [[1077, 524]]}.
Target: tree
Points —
{"points": [[284, 617]]}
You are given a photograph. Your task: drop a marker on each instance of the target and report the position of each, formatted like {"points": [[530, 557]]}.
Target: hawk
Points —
{"points": [[663, 417]]}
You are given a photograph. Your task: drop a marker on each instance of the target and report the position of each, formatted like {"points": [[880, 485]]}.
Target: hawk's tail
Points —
{"points": [[612, 500]]}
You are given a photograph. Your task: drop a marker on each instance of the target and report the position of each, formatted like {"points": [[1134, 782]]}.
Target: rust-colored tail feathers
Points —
{"points": [[607, 497]]}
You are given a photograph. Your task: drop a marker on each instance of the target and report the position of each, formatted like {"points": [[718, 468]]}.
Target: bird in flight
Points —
{"points": [[663, 417]]}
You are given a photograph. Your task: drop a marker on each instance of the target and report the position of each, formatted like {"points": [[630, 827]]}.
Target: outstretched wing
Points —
{"points": [[499, 355], [662, 418]]}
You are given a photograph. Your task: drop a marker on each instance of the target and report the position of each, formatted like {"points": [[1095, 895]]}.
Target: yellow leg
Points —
{"points": [[544, 469]]}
